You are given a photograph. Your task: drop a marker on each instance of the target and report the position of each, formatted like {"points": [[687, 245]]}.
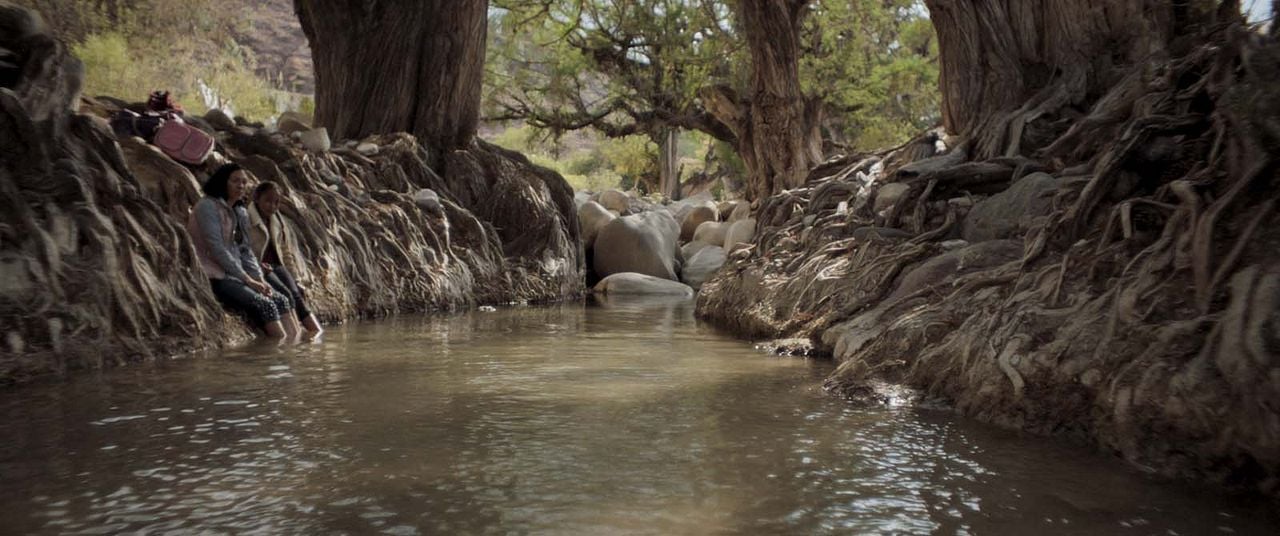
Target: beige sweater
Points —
{"points": [[260, 229]]}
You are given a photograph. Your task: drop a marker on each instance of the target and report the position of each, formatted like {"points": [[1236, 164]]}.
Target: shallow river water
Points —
{"points": [[622, 418]]}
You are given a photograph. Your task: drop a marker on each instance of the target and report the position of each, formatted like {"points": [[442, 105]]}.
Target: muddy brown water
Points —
{"points": [[621, 418]]}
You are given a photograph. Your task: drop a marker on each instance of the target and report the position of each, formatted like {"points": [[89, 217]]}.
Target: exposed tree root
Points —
{"points": [[96, 267], [1142, 311]]}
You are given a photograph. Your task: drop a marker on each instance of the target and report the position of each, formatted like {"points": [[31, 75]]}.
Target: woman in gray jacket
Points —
{"points": [[221, 245]]}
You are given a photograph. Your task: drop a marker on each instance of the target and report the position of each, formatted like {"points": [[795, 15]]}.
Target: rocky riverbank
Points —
{"points": [[96, 267], [1120, 287]]}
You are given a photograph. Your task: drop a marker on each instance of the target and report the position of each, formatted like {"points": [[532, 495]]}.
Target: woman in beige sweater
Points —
{"points": [[271, 246]]}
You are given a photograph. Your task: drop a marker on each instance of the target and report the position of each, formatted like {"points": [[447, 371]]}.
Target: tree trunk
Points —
{"points": [[385, 67], [1008, 67], [668, 161], [775, 126]]}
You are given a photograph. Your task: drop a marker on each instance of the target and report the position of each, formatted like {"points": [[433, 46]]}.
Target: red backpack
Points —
{"points": [[183, 142]]}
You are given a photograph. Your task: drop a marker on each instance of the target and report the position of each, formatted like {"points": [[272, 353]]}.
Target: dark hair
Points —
{"points": [[216, 186], [263, 188]]}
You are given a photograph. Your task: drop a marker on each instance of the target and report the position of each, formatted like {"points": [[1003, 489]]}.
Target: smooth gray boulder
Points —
{"points": [[641, 284], [741, 232], [705, 263], [694, 217], [614, 200], [712, 232], [1011, 212], [592, 218], [692, 248], [645, 243]]}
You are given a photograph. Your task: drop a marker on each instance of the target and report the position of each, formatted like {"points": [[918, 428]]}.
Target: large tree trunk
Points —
{"points": [[775, 126], [668, 164], [779, 133], [398, 67], [1010, 66]]}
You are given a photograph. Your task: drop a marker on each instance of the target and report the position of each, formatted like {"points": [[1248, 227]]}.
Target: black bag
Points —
{"points": [[128, 123]]}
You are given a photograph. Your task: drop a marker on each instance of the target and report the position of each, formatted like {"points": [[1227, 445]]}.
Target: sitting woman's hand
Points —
{"points": [[259, 286]]}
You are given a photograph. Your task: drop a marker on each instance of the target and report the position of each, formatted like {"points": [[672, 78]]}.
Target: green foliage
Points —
{"points": [[632, 157], [591, 162], [130, 48], [874, 64], [636, 66], [565, 64]]}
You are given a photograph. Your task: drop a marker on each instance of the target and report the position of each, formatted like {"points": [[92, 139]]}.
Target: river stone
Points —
{"points": [[888, 195], [740, 233], [367, 148], [645, 243], [712, 232], [641, 284], [681, 208], [1011, 212], [219, 119], [289, 125], [694, 217], [592, 218], [702, 265], [315, 140], [944, 268], [687, 251], [428, 200], [614, 200], [741, 211]]}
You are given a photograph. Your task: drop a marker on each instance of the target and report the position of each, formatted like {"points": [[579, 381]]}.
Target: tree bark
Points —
{"points": [[1006, 64], [775, 126], [385, 67], [668, 164]]}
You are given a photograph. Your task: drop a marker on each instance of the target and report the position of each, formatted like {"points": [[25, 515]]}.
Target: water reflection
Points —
{"points": [[624, 416]]}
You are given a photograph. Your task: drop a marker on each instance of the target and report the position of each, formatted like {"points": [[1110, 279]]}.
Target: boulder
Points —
{"points": [[741, 211], [580, 198], [682, 207], [428, 200], [740, 232], [315, 140], [641, 284], [614, 200], [888, 195], [725, 208], [712, 232], [219, 119], [644, 243], [592, 218], [705, 263], [694, 217], [289, 125], [946, 267], [1009, 213], [687, 251]]}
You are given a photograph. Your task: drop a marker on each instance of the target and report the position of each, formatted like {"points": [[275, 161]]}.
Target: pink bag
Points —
{"points": [[183, 142]]}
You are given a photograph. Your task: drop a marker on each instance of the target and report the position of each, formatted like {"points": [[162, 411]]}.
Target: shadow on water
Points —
{"points": [[619, 415]]}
